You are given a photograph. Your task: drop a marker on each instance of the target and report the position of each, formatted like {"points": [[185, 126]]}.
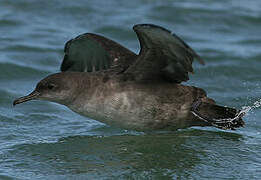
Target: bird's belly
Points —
{"points": [[129, 113], [116, 117]]}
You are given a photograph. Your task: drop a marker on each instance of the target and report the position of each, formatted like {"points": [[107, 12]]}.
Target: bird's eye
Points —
{"points": [[51, 86]]}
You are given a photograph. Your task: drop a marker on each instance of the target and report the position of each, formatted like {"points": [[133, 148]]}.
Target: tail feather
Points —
{"points": [[218, 116]]}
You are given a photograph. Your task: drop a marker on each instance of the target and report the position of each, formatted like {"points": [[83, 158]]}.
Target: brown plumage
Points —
{"points": [[142, 92]]}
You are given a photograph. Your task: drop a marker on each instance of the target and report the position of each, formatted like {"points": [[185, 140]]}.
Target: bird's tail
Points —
{"points": [[218, 116]]}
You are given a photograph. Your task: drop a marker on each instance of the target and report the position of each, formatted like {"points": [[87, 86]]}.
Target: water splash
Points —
{"points": [[226, 123], [233, 121], [246, 109], [222, 123]]}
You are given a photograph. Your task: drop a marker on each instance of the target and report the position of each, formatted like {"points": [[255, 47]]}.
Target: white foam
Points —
{"points": [[246, 109]]}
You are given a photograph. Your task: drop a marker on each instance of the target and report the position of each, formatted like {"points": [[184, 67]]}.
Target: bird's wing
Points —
{"points": [[163, 55], [91, 52]]}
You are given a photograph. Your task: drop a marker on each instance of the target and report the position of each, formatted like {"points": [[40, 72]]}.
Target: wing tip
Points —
{"points": [[153, 26], [138, 27], [68, 43]]}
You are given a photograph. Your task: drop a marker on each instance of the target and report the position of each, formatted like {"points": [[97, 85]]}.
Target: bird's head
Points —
{"points": [[59, 88]]}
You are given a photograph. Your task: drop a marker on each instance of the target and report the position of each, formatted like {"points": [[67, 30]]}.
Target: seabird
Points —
{"points": [[107, 82]]}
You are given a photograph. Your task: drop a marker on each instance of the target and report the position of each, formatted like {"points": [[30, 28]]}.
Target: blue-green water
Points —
{"points": [[42, 140]]}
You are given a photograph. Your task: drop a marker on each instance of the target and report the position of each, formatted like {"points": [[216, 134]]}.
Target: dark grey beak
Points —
{"points": [[29, 97]]}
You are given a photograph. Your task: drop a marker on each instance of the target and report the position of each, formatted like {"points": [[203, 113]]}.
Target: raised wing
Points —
{"points": [[162, 56], [91, 52]]}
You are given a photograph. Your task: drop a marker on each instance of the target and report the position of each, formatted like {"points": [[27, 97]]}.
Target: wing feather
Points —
{"points": [[91, 52], [162, 56]]}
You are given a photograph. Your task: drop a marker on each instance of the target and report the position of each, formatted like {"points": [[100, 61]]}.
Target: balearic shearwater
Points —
{"points": [[107, 82]]}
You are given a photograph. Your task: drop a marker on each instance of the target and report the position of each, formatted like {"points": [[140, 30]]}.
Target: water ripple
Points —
{"points": [[45, 140]]}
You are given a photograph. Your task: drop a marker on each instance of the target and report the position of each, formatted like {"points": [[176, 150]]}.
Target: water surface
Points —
{"points": [[43, 140]]}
